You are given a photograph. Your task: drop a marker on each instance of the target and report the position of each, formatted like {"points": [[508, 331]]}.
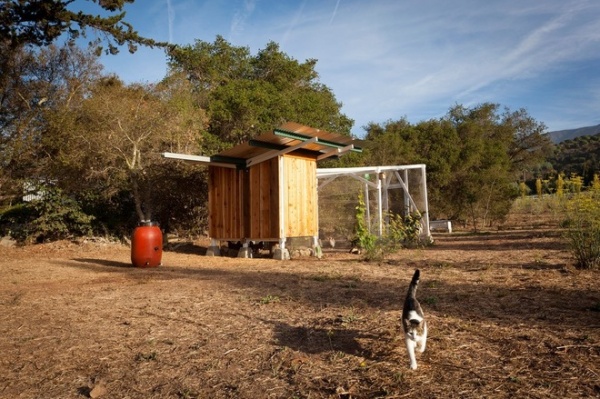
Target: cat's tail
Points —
{"points": [[412, 288]]}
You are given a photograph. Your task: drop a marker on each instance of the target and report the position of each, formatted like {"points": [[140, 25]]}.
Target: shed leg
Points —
{"points": [[213, 249], [245, 251], [316, 246], [281, 253]]}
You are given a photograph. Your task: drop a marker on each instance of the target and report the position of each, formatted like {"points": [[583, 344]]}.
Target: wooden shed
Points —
{"points": [[265, 190]]}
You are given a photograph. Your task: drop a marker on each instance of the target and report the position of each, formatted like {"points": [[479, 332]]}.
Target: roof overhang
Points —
{"points": [[290, 138]]}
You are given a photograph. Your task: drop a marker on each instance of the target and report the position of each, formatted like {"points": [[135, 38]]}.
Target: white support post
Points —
{"points": [[386, 201], [245, 251], [406, 193], [426, 231], [368, 207], [379, 205], [316, 247]]}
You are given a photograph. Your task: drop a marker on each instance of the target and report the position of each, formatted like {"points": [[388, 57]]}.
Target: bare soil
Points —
{"points": [[508, 317]]}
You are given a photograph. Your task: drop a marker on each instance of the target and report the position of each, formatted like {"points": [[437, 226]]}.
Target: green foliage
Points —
{"points": [[363, 238], [404, 230], [15, 221], [40, 22], [399, 232], [127, 126], [580, 156], [246, 95], [53, 217], [472, 155], [583, 229], [560, 185], [538, 187], [595, 185], [523, 189]]}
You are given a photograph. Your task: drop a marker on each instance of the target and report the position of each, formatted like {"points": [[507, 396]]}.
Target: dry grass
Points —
{"points": [[508, 317]]}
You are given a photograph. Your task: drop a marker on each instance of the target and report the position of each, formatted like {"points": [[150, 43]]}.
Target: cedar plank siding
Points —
{"points": [[225, 203], [300, 181], [263, 197], [245, 204]]}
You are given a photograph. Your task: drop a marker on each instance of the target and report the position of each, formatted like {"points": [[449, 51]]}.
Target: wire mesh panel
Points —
{"points": [[338, 200], [400, 190]]}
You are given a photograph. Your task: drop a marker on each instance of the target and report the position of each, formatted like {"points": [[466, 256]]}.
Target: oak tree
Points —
{"points": [[246, 95]]}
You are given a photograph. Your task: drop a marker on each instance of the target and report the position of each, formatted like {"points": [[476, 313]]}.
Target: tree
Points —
{"points": [[40, 22], [246, 95], [439, 148], [111, 142], [529, 147], [471, 156], [481, 188], [392, 144], [31, 83]]}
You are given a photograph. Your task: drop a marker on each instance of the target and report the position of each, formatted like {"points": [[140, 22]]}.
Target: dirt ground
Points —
{"points": [[508, 317]]}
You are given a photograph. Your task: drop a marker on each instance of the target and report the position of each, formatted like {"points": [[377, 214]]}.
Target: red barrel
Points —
{"points": [[146, 245]]}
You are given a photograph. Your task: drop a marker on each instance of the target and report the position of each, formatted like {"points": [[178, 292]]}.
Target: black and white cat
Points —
{"points": [[413, 322]]}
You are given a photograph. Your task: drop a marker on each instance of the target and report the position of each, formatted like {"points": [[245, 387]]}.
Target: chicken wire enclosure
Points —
{"points": [[385, 189]]}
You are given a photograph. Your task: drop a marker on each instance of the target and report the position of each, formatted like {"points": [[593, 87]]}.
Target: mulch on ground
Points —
{"points": [[508, 317]]}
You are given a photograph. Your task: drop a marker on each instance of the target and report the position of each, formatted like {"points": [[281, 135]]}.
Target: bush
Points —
{"points": [[15, 221], [400, 231], [363, 239], [583, 229], [53, 217]]}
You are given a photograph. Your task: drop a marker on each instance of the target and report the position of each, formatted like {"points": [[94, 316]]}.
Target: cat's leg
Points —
{"points": [[423, 339], [410, 347]]}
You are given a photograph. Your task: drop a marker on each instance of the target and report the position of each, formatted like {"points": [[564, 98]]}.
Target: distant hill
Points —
{"points": [[580, 155], [569, 134]]}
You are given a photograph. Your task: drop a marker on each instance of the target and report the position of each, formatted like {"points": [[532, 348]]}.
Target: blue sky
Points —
{"points": [[388, 59]]}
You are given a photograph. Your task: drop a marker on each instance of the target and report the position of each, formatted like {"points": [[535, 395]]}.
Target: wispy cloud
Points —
{"points": [[296, 18], [395, 58], [337, 4], [171, 18], [240, 17]]}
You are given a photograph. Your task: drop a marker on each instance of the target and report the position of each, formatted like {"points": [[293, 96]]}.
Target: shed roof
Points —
{"points": [[288, 138]]}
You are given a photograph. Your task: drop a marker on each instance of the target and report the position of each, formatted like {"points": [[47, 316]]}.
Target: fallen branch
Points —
{"points": [[577, 346]]}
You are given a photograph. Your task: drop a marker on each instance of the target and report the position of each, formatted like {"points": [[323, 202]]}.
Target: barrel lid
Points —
{"points": [[148, 223]]}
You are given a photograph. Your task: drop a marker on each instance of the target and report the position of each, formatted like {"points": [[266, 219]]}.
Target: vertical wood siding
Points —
{"points": [[226, 203], [300, 180], [245, 204], [264, 194]]}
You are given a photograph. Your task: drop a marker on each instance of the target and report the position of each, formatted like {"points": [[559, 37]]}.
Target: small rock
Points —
{"points": [[7, 242], [98, 391]]}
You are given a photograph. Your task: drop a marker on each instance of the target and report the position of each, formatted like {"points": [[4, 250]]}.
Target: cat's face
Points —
{"points": [[414, 329], [413, 325]]}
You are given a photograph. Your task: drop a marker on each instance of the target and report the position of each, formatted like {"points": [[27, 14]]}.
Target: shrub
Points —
{"points": [[583, 229], [400, 231], [363, 239], [53, 217]]}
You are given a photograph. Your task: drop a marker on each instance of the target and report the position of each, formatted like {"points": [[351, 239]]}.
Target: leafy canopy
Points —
{"points": [[473, 156], [245, 95], [40, 22]]}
